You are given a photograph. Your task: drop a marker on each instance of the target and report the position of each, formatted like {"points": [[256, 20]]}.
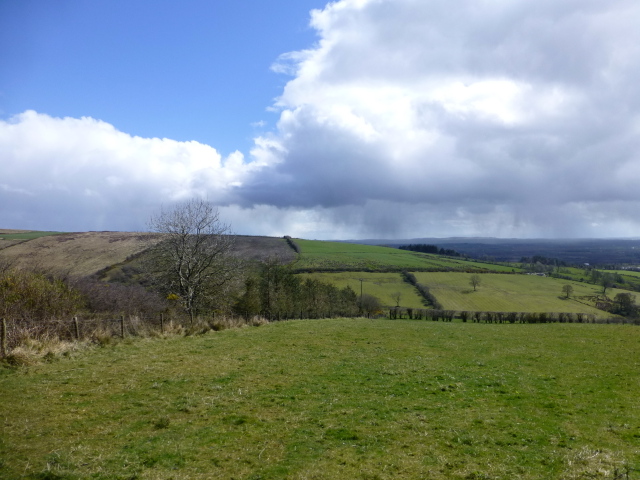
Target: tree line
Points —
{"points": [[422, 289], [276, 293]]}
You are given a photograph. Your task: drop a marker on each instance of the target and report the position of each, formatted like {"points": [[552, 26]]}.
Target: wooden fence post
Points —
{"points": [[162, 323], [76, 328], [122, 326], [3, 339]]}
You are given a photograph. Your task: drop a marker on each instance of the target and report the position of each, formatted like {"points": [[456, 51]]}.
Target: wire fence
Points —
{"points": [[20, 331]]}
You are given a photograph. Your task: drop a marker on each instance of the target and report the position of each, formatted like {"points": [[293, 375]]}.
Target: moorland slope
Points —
{"points": [[86, 253]]}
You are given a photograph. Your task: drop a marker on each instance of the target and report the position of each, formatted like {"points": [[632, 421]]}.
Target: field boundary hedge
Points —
{"points": [[397, 313]]}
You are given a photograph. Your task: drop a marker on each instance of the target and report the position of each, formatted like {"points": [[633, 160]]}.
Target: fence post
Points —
{"points": [[3, 340], [162, 323], [122, 326], [76, 328]]}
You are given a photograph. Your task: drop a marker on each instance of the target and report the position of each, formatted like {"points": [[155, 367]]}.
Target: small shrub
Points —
{"points": [[161, 423]]}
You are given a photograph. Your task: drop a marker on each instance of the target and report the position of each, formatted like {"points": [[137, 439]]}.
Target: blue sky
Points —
{"points": [[189, 70], [342, 120]]}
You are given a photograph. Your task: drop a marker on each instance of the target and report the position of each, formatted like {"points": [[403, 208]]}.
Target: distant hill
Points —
{"points": [[574, 251]]}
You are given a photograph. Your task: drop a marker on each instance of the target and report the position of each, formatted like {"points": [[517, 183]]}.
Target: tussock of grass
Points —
{"points": [[34, 351], [588, 463]]}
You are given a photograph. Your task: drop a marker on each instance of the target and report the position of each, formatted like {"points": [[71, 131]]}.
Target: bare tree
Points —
{"points": [[397, 296], [474, 281], [193, 261]]}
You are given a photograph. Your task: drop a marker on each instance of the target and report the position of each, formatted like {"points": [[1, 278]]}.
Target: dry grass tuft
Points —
{"points": [[19, 358], [257, 321], [594, 464], [102, 337], [173, 328], [34, 351], [201, 326]]}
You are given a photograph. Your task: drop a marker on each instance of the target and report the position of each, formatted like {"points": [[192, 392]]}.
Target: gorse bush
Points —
{"points": [[35, 296]]}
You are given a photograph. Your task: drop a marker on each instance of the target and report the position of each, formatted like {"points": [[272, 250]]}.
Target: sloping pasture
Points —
{"points": [[339, 256], [510, 293], [334, 399]]}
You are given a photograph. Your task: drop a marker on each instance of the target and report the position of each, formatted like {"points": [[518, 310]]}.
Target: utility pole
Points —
{"points": [[361, 280]]}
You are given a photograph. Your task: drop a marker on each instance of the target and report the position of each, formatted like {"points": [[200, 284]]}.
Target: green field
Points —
{"points": [[323, 255], [510, 293], [381, 285], [628, 273], [632, 279], [334, 399], [26, 235]]}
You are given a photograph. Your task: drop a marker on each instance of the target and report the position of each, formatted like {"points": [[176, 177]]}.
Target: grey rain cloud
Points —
{"points": [[407, 118]]}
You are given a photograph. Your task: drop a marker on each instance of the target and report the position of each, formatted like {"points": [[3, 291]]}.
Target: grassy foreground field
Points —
{"points": [[334, 399]]}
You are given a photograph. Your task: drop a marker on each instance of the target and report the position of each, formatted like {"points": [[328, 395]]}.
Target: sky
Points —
{"points": [[345, 120]]}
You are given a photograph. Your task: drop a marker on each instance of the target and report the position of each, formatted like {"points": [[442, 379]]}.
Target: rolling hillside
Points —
{"points": [[504, 287], [374, 269], [86, 253]]}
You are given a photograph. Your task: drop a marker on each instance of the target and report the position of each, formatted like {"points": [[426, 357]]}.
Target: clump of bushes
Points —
{"points": [[36, 296]]}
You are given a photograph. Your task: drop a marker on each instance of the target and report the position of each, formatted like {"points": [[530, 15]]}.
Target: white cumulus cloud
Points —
{"points": [[69, 173]]}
